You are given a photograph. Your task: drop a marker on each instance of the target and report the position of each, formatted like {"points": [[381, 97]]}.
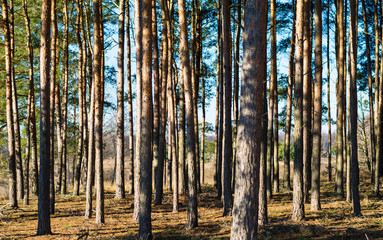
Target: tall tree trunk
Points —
{"points": [[370, 96], [44, 225], [328, 92], [137, 166], [156, 83], [54, 61], [317, 128], [98, 108], [236, 83], [227, 137], [159, 165], [245, 209], [31, 121], [298, 198], [203, 128], [340, 98], [145, 228], [91, 154], [192, 221], [276, 140], [354, 108], [377, 91], [16, 123], [10, 126], [273, 82], [80, 146], [262, 213], [287, 183], [307, 88], [130, 100], [120, 164], [219, 111], [65, 99]]}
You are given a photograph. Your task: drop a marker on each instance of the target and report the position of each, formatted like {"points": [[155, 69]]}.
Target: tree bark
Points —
{"points": [[120, 162], [340, 98], [317, 128], [227, 136], [10, 126], [192, 221], [245, 209], [145, 228], [130, 100], [54, 61], [44, 226], [354, 108], [98, 108], [65, 99], [287, 183], [16, 122], [328, 92], [298, 198], [370, 96], [307, 105]]}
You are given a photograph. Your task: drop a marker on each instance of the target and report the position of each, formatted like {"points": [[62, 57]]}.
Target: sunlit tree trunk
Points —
{"points": [[11, 134], [245, 208], [98, 108], [192, 221], [317, 128], [145, 228], [137, 166], [340, 98], [298, 198], [120, 161]]}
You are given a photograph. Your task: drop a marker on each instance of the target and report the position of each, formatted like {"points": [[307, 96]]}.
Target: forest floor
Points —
{"points": [[334, 221]]}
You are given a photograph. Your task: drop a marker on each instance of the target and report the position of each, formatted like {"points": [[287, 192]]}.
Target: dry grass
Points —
{"points": [[334, 221]]}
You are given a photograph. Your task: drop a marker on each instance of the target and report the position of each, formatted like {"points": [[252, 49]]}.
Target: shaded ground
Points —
{"points": [[334, 221]]}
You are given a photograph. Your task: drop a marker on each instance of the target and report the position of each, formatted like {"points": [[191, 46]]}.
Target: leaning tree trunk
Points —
{"points": [[11, 133], [44, 225], [245, 209], [298, 198]]}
